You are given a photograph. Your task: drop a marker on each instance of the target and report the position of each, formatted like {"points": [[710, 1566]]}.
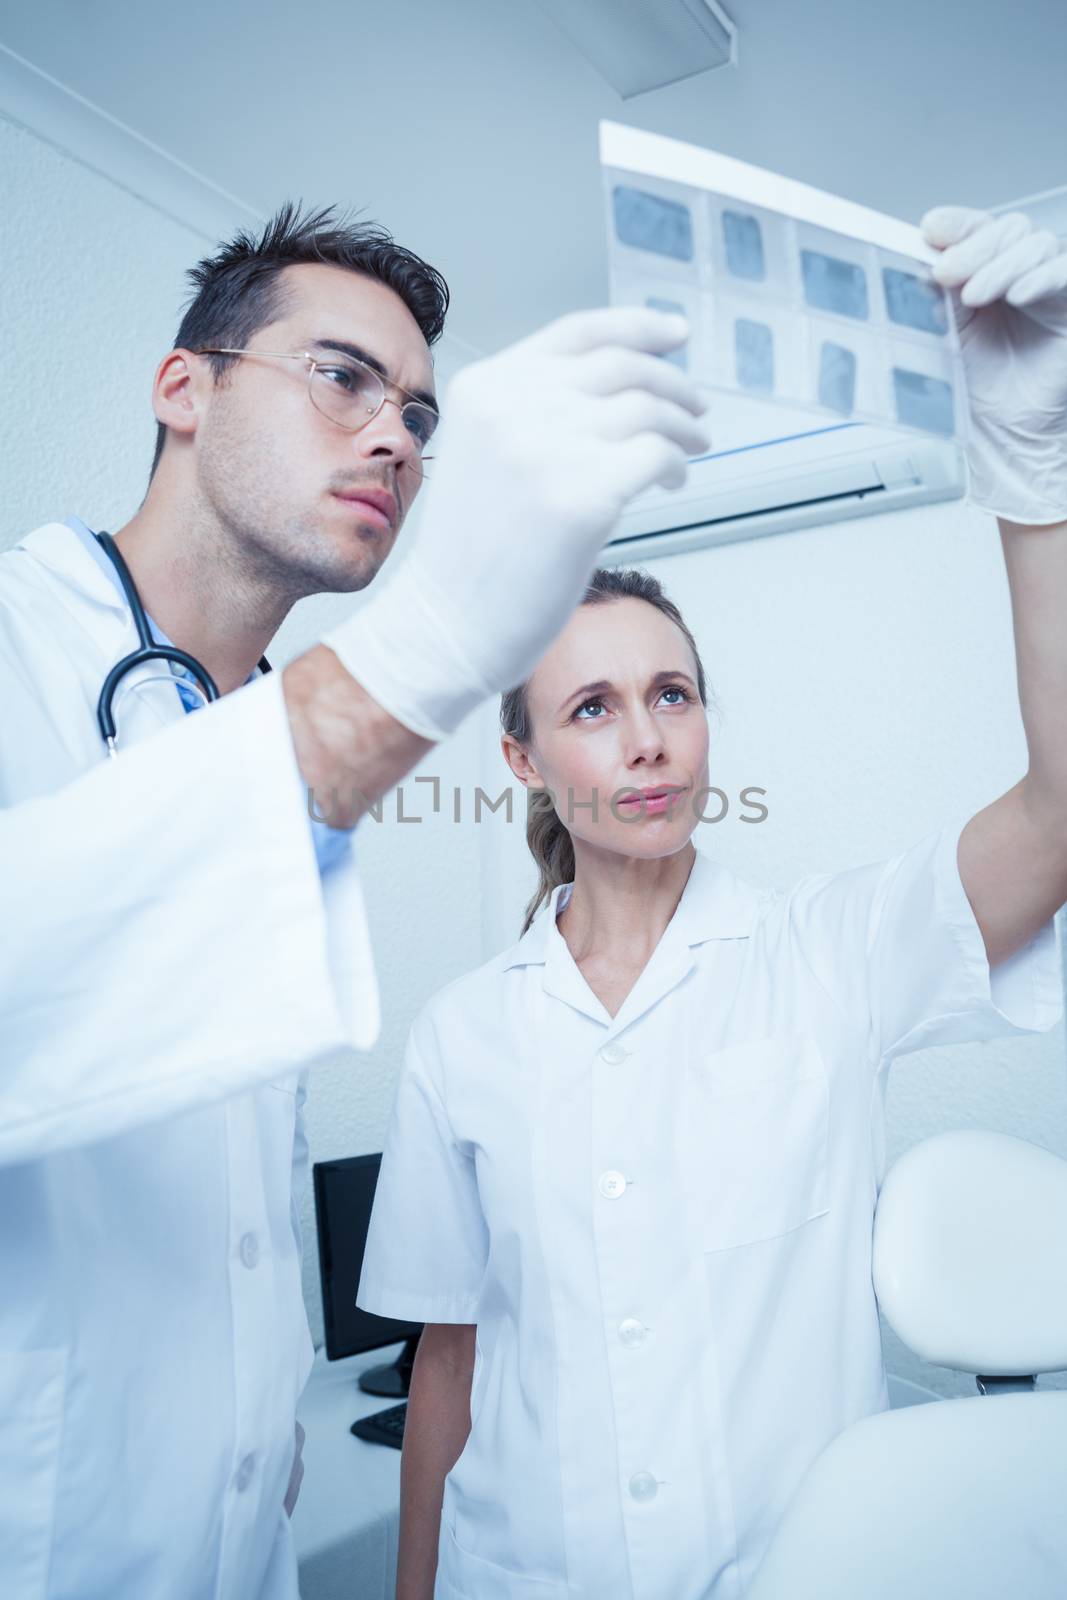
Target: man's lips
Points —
{"points": [[379, 501]]}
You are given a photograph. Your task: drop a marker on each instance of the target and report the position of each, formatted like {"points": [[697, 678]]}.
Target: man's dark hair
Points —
{"points": [[238, 290]]}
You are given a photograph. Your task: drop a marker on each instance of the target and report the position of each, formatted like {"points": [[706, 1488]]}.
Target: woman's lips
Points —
{"points": [[653, 805]]}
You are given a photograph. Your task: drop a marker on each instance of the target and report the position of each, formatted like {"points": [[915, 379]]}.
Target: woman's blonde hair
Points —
{"points": [[547, 836]]}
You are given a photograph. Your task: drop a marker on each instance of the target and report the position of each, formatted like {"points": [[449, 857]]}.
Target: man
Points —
{"points": [[180, 940]]}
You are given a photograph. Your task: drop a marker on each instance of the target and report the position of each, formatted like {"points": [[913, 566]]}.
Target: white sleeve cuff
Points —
{"points": [[1024, 991]]}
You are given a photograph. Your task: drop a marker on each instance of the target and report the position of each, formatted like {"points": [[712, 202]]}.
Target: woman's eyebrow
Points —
{"points": [[603, 686]]}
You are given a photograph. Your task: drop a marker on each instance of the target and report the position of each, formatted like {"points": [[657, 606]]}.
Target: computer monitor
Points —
{"points": [[344, 1194]]}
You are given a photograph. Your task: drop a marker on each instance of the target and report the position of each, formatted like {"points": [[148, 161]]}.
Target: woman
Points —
{"points": [[632, 1168]]}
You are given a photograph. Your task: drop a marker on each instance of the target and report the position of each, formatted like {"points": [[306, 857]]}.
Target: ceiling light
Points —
{"points": [[643, 44]]}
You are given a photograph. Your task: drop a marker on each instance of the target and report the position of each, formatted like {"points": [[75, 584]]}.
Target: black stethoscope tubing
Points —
{"points": [[148, 650]]}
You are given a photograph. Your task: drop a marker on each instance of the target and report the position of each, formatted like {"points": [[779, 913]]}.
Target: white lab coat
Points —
{"points": [[169, 962], [661, 1222]]}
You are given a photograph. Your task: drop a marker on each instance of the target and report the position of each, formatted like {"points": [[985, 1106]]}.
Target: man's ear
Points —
{"points": [[178, 390]]}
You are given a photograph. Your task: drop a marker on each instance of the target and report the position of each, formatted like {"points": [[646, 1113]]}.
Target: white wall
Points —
{"points": [[92, 280], [865, 670]]}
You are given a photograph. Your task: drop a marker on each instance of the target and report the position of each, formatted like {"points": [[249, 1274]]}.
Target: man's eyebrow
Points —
{"points": [[359, 354], [603, 686]]}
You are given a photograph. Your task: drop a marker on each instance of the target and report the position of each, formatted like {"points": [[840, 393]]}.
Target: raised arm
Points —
{"points": [[166, 941], [1010, 296], [1013, 853]]}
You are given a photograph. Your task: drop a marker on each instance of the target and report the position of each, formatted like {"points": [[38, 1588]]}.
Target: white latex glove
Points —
{"points": [[1009, 294], [541, 448]]}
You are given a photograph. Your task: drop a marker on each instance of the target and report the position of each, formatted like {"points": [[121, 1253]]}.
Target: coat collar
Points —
{"points": [[59, 549], [715, 904]]}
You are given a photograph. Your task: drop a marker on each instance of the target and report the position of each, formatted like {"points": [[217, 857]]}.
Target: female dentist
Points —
{"points": [[633, 1163]]}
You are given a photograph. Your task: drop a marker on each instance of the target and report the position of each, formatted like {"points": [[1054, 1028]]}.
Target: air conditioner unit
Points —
{"points": [[772, 470]]}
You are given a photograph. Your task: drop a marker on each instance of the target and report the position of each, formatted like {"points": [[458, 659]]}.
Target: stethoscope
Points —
{"points": [[147, 650]]}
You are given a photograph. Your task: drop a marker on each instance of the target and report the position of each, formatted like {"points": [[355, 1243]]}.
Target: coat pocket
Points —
{"points": [[755, 1139], [32, 1387], [461, 1575]]}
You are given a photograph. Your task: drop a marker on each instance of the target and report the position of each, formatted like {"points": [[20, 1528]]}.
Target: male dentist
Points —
{"points": [[179, 940]]}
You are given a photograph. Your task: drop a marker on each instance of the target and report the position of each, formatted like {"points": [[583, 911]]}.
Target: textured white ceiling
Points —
{"points": [[469, 127]]}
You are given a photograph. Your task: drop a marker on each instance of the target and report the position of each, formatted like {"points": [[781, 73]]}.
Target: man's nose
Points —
{"points": [[386, 434]]}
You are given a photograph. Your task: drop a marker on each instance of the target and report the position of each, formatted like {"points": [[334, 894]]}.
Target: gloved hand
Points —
{"points": [[541, 448], [1008, 284]]}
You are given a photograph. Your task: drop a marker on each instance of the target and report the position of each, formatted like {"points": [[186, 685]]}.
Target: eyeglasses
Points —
{"points": [[350, 393]]}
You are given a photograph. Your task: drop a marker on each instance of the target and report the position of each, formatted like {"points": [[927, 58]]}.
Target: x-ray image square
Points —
{"points": [[754, 346], [649, 222], [744, 246], [831, 284], [913, 302], [795, 297], [837, 378], [924, 402]]}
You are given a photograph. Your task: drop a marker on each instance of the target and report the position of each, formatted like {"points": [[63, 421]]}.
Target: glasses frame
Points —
{"points": [[314, 362]]}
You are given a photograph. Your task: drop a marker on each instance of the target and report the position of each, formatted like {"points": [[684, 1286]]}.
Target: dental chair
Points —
{"points": [[960, 1499]]}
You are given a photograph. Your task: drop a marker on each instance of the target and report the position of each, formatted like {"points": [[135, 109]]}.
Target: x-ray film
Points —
{"points": [[793, 295]]}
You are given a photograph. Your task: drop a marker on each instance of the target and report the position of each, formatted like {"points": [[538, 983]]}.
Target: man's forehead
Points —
{"points": [[323, 304]]}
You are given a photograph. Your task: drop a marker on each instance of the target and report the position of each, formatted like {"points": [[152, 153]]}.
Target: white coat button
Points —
{"points": [[643, 1486], [245, 1471], [613, 1054], [632, 1332], [249, 1249], [611, 1185]]}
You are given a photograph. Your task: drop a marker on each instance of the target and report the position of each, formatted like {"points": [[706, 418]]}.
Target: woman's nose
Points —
{"points": [[645, 738]]}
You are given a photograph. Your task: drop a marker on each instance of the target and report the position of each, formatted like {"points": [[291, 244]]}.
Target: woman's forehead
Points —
{"points": [[624, 640]]}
